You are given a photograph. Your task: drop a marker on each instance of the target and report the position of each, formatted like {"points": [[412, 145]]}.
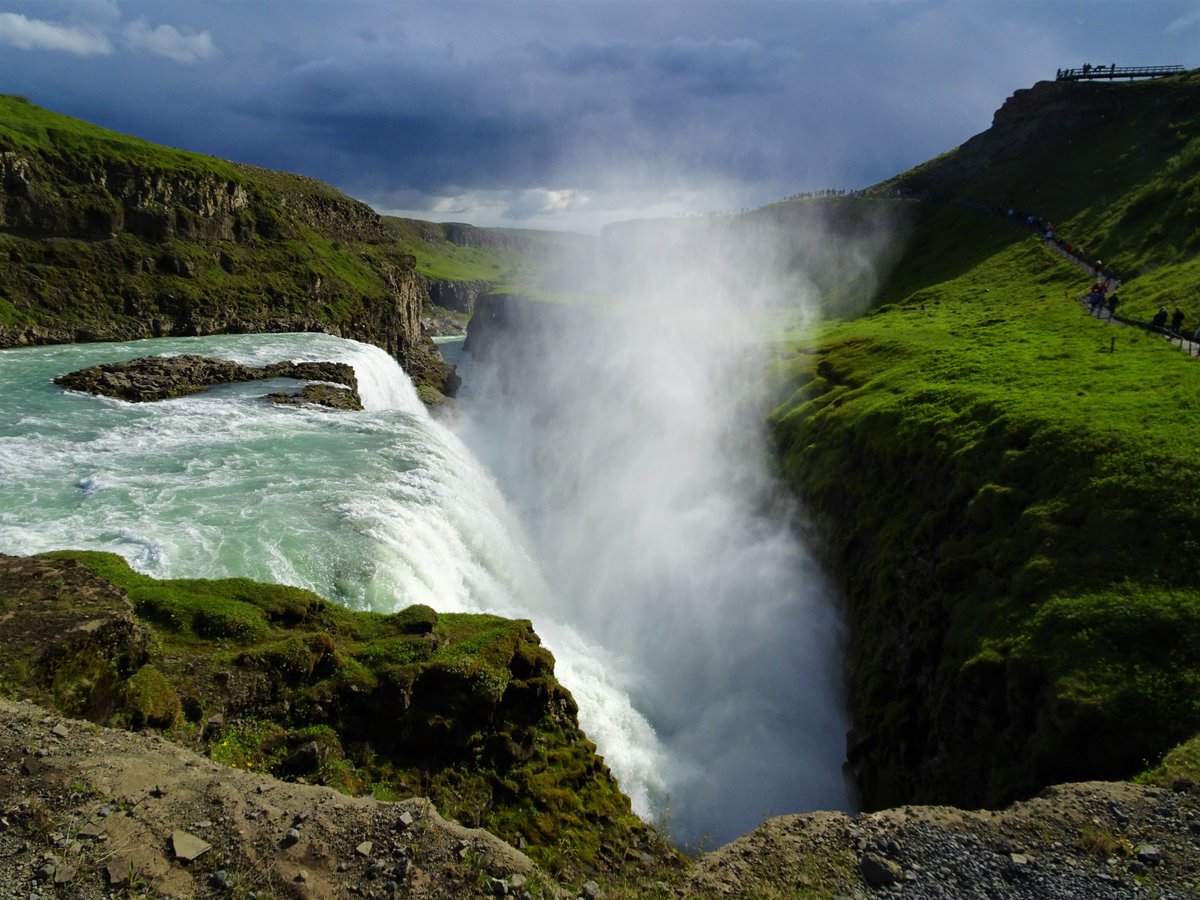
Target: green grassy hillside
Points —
{"points": [[1115, 166], [108, 237], [1007, 487]]}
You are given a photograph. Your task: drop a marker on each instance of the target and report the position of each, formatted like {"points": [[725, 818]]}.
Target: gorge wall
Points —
{"points": [[104, 237]]}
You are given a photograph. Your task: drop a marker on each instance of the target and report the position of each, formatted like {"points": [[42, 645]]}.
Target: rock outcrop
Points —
{"points": [[90, 812], [458, 296], [159, 377]]}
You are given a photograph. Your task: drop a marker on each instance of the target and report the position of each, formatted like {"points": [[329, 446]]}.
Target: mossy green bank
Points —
{"points": [[1007, 490], [461, 708]]}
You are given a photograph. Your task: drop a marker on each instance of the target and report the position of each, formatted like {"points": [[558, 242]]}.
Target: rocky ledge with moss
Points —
{"points": [[150, 378], [462, 709]]}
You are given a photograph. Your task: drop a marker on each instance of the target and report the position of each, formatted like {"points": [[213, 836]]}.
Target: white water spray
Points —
{"points": [[631, 442]]}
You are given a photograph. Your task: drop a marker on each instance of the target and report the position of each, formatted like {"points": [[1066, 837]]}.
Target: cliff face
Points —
{"points": [[103, 237]]}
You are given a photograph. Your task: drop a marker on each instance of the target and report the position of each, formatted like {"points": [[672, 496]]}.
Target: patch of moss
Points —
{"points": [[148, 701], [1180, 764]]}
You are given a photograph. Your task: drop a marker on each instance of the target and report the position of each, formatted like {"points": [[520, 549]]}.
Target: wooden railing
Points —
{"points": [[1090, 72]]}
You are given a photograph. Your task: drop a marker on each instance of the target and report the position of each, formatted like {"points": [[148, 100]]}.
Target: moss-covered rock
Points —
{"points": [[1012, 519], [462, 708]]}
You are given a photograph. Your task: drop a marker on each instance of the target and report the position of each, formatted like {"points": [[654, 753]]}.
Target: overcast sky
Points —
{"points": [[568, 114]]}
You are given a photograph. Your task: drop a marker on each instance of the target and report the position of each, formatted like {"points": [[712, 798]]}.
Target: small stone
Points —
{"points": [[104, 812], [590, 891], [60, 730], [157, 793], [120, 871], [365, 848], [301, 876], [1149, 854], [498, 887], [45, 872], [406, 819], [1019, 859], [187, 846], [517, 881], [401, 868], [42, 753], [219, 878], [879, 870], [31, 765], [64, 874], [300, 818], [292, 837]]}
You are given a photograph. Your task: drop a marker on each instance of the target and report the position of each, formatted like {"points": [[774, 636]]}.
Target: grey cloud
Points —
{"points": [[168, 41], [38, 34]]}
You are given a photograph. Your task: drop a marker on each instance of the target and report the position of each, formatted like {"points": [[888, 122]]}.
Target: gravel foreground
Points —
{"points": [[88, 812]]}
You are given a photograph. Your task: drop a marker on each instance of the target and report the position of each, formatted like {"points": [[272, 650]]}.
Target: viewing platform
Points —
{"points": [[1090, 73]]}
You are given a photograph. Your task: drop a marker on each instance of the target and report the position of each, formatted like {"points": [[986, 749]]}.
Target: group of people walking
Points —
{"points": [[1099, 299]]}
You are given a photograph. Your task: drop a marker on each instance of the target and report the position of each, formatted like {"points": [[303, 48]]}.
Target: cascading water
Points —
{"points": [[662, 577], [377, 510], [629, 438]]}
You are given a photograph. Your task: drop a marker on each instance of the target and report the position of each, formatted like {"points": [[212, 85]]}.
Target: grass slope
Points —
{"points": [[539, 265], [1115, 166], [1012, 509]]}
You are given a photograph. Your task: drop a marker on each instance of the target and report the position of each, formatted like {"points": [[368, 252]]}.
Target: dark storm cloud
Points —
{"points": [[526, 108]]}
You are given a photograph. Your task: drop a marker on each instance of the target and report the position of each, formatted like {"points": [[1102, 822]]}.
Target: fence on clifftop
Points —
{"points": [[1090, 73]]}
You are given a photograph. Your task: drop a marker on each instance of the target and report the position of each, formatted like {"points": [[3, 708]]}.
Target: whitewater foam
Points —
{"points": [[377, 509]]}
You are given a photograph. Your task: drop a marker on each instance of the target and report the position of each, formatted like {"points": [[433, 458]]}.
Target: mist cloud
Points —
{"points": [[629, 435]]}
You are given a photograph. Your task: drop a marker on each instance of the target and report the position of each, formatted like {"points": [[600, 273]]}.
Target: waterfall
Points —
{"points": [[376, 509], [629, 437]]}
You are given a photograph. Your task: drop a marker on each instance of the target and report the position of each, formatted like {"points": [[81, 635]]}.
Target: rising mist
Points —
{"points": [[629, 434]]}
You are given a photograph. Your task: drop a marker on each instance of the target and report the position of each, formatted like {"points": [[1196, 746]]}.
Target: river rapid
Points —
{"points": [[388, 507]]}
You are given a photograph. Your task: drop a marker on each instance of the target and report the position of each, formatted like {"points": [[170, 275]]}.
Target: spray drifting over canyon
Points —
{"points": [[629, 435]]}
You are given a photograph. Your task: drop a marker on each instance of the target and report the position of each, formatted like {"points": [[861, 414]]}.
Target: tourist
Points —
{"points": [[1177, 320], [1160, 318]]}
